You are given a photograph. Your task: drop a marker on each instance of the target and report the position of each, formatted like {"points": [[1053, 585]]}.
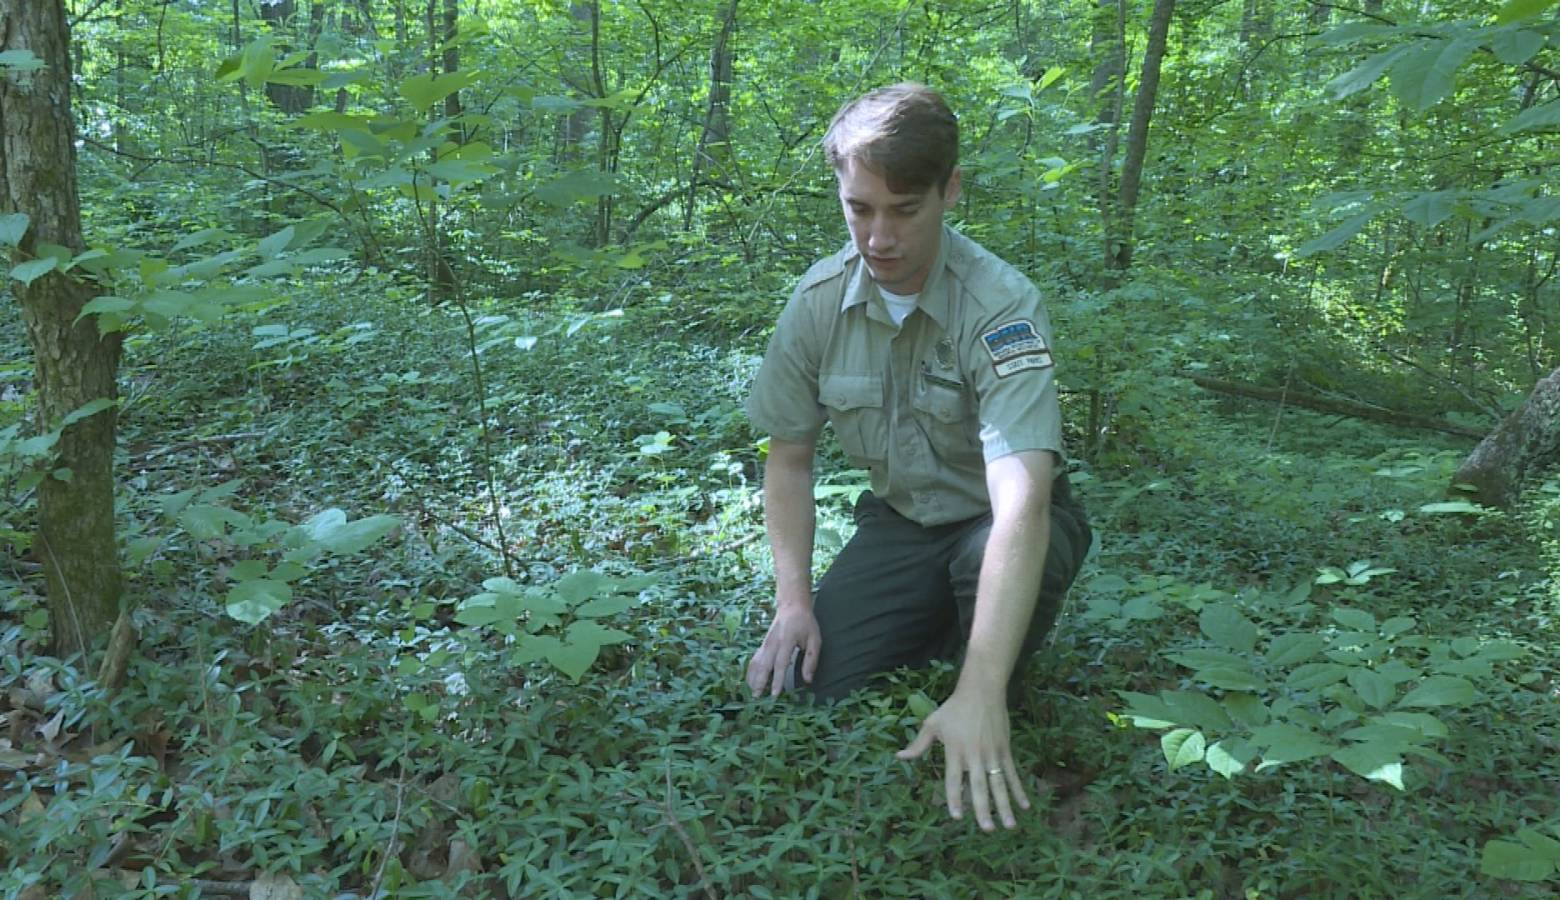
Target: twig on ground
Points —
{"points": [[682, 833], [395, 832], [195, 442]]}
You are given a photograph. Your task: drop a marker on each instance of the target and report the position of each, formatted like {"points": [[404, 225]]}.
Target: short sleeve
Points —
{"points": [[784, 399], [1014, 374]]}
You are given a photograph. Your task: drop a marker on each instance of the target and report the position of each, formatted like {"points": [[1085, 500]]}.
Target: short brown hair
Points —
{"points": [[904, 132]]}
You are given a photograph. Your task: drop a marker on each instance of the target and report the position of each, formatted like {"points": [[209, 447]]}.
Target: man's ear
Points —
{"points": [[955, 186]]}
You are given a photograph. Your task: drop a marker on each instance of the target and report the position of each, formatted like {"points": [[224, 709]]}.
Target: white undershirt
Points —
{"points": [[899, 305]]}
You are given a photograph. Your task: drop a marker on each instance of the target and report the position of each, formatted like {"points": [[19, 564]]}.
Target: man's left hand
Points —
{"points": [[973, 729]]}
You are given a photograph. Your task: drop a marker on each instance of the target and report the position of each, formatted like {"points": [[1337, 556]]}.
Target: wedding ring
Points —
{"points": [[993, 772]]}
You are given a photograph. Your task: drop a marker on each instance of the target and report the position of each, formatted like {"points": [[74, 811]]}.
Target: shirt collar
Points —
{"points": [[933, 298]]}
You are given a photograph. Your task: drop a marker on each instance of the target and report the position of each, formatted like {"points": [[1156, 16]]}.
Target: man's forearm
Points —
{"points": [[789, 519], [1010, 577]]}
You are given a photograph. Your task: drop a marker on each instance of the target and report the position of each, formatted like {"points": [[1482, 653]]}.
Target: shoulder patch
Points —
{"points": [[1015, 347]]}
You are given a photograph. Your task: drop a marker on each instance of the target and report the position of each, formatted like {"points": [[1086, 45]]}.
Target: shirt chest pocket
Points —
{"points": [[855, 405], [945, 414]]}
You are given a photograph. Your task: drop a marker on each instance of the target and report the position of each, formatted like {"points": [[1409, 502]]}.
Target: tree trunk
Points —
{"points": [[1522, 446], [75, 539], [713, 153], [1107, 88], [1118, 246], [292, 99]]}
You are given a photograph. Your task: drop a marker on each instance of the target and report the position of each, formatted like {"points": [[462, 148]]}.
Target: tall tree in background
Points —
{"points": [[1119, 227], [714, 149], [75, 365]]}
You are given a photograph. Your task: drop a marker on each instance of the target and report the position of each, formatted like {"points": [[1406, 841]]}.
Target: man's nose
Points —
{"points": [[880, 235]]}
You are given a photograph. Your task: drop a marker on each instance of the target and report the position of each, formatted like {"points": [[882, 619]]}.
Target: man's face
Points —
{"points": [[897, 234]]}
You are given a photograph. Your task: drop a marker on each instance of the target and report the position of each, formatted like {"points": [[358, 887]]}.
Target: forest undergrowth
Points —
{"points": [[378, 733]]}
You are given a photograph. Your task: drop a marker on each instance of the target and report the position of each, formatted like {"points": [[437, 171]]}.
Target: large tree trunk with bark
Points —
{"points": [[75, 538], [1521, 447], [1119, 240]]}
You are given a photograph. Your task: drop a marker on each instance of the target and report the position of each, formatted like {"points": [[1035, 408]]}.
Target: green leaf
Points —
{"points": [[1440, 690], [1225, 625], [276, 243], [1230, 678], [1366, 73], [330, 529], [1247, 709], [1337, 237], [1519, 10], [1424, 723], [1518, 862], [576, 187], [1430, 208], [1374, 688], [1314, 676], [1287, 743], [1423, 76], [1544, 115], [604, 606], [299, 77], [254, 601], [34, 269], [12, 228], [1296, 647], [1182, 747], [1228, 757], [90, 408], [1373, 763], [20, 61], [1148, 711], [1196, 709], [1515, 46], [203, 521], [423, 91], [581, 585], [1354, 619]]}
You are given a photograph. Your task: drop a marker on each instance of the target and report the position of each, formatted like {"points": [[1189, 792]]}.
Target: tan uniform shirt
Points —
{"points": [[966, 379]]}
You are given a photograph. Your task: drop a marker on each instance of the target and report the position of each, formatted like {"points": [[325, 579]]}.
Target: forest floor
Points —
{"points": [[373, 735]]}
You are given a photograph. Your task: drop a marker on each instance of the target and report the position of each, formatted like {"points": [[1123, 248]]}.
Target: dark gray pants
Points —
{"points": [[903, 594]]}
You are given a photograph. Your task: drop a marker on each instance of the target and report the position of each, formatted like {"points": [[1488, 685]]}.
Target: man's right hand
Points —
{"points": [[795, 627]]}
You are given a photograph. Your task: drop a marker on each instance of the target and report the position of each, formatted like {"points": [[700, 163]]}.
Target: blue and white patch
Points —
{"points": [[1015, 347]]}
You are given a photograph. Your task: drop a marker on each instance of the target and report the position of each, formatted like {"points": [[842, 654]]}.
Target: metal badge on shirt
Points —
{"points": [[1015, 347]]}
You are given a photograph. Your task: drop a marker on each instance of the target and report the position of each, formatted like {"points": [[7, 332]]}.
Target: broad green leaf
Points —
{"points": [[248, 570], [1314, 676], [1515, 46], [459, 170], [604, 606], [1246, 709], [1397, 625], [1207, 658], [1430, 208], [1374, 688], [20, 61], [1283, 742], [1197, 710], [276, 243], [203, 521], [1544, 115], [1354, 619], [581, 585], [1225, 625], [1230, 678], [575, 187], [1518, 862], [333, 532], [1396, 738], [1423, 76], [1373, 763], [90, 408], [1182, 747], [1337, 237], [593, 631], [254, 601], [573, 659], [34, 269], [423, 91], [1366, 73], [296, 76], [331, 121], [1148, 711], [12, 228], [1220, 758], [1518, 10], [1296, 647], [1424, 723], [1440, 690]]}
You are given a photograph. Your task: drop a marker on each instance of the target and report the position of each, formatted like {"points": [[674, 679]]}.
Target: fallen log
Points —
{"points": [[1334, 405]]}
